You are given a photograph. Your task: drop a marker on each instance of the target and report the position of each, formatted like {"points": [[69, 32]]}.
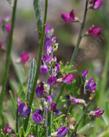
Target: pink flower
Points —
{"points": [[68, 78], [97, 113], [69, 17], [24, 57], [96, 4], [95, 31], [8, 27]]}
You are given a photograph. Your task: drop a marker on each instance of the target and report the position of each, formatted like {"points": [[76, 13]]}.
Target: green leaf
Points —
{"points": [[32, 72], [36, 4]]}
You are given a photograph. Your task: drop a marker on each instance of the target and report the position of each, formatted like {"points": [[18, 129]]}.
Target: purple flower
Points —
{"points": [[7, 129], [48, 46], [84, 74], [96, 4], [96, 113], [95, 31], [40, 89], [91, 85], [62, 131], [52, 80], [49, 99], [23, 109], [24, 57], [77, 101], [53, 106], [44, 69], [69, 17], [46, 58], [68, 78], [37, 116], [8, 27]]}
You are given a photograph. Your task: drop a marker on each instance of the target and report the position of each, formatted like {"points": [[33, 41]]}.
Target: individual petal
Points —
{"points": [[68, 78], [8, 27], [37, 116], [40, 89], [43, 69], [24, 57], [95, 31], [84, 74], [7, 129], [52, 80], [69, 17], [74, 100], [90, 85], [23, 110], [62, 131], [96, 4], [97, 112]]}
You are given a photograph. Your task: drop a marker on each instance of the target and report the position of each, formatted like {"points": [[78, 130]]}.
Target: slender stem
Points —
{"points": [[8, 54], [74, 55], [41, 44], [17, 119], [49, 119], [60, 93]]}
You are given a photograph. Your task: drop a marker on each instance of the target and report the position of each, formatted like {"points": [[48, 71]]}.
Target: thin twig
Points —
{"points": [[74, 55]]}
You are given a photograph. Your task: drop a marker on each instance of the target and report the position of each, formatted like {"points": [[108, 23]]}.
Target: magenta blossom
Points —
{"points": [[95, 31], [96, 113], [96, 4], [7, 129], [8, 27], [69, 17], [68, 78], [24, 57]]}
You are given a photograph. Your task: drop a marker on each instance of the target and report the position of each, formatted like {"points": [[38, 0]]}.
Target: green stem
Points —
{"points": [[74, 55], [41, 45], [8, 54], [49, 119], [60, 93]]}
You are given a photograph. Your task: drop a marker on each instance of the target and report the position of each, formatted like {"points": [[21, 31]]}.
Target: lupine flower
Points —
{"points": [[7, 129], [69, 17], [23, 109], [95, 31], [24, 57], [68, 78], [8, 27], [62, 131], [52, 80], [84, 74], [96, 4], [96, 113], [74, 100], [43, 69], [40, 89], [37, 116], [90, 85]]}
